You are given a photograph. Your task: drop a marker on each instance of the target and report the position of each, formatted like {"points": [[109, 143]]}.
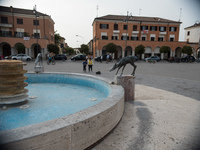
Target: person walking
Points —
{"points": [[101, 58], [107, 58], [90, 64], [84, 65]]}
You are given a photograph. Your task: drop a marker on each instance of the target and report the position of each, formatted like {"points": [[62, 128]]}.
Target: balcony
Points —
{"points": [[6, 25], [116, 31]]}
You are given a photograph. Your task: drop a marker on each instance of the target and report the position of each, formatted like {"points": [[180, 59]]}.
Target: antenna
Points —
{"points": [[97, 10], [140, 11], [180, 14]]}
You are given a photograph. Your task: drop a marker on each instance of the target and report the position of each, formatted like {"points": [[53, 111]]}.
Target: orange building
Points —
{"points": [[27, 27], [127, 32]]}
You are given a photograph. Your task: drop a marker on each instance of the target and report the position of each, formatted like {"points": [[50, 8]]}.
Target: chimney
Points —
{"points": [[11, 9]]}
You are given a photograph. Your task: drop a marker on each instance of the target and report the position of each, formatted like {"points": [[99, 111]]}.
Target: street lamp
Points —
{"points": [[81, 37], [36, 16], [126, 20]]}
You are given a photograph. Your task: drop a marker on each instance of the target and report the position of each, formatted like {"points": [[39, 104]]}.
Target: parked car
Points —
{"points": [[188, 58], [22, 57], [9, 57], [78, 57], [60, 57], [104, 58], [155, 58]]}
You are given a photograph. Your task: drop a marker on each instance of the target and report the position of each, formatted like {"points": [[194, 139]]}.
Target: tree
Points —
{"points": [[187, 50], [69, 50], [53, 48], [57, 38], [139, 49], [84, 49], [111, 48], [20, 48], [164, 49]]}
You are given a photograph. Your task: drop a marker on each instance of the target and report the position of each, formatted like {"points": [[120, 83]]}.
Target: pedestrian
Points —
{"points": [[2, 57], [107, 58], [90, 64], [101, 58], [84, 65]]}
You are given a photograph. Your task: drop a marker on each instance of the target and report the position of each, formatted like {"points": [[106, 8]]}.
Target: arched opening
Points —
{"points": [[118, 53], [148, 52], [178, 52], [157, 52], [20, 48], [104, 50], [36, 50], [128, 51], [198, 54], [6, 49]]}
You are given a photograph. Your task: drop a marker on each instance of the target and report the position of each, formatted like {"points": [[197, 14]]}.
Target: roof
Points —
{"points": [[19, 10], [136, 18], [195, 25]]}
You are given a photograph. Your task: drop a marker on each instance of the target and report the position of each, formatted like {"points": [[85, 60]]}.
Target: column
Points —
{"points": [[133, 52]]}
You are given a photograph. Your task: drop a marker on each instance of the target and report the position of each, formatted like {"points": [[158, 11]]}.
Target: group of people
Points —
{"points": [[88, 62]]}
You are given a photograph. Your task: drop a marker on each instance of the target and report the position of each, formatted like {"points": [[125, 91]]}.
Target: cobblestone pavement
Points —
{"points": [[165, 113]]}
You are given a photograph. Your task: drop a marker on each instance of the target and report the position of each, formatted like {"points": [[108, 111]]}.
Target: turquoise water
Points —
{"points": [[53, 100]]}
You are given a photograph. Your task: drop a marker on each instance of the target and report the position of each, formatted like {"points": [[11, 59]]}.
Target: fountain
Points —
{"points": [[60, 130], [12, 82]]}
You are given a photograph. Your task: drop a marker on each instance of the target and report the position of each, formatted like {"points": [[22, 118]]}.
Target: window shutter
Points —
{"points": [[100, 26], [107, 26], [175, 28]]}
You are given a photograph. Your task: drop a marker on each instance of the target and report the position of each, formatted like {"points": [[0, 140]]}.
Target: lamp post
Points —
{"points": [[36, 16], [81, 37], [126, 20]]}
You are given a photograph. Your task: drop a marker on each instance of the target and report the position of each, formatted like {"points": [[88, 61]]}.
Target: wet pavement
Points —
{"points": [[165, 113]]}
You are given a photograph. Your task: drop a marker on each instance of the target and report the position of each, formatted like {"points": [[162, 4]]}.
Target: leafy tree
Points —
{"points": [[139, 49], [69, 50], [20, 48], [57, 38], [53, 48], [187, 50], [111, 48], [164, 49], [84, 49]]}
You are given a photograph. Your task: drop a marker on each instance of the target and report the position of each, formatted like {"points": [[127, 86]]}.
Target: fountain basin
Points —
{"points": [[74, 131]]}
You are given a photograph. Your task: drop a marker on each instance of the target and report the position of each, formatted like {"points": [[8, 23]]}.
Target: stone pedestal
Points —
{"points": [[39, 69], [128, 83]]}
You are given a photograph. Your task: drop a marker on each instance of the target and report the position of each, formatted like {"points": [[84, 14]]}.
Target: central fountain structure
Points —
{"points": [[63, 132]]}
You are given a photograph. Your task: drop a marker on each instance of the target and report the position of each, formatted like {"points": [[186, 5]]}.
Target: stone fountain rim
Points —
{"points": [[116, 96]]}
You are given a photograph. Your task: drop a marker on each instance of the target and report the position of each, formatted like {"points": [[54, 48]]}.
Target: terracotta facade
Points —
{"points": [[152, 32], [20, 26]]}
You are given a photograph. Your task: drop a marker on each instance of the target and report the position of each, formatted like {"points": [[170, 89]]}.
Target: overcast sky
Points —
{"points": [[75, 17]]}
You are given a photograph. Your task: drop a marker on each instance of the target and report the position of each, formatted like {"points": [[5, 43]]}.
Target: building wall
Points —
{"points": [[99, 43], [45, 29], [194, 34]]}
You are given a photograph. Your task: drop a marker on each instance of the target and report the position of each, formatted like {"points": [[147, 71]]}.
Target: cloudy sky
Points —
{"points": [[75, 17]]}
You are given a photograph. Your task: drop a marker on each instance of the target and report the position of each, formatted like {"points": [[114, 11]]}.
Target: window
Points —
{"points": [[143, 38], [114, 37], [4, 20], [143, 28], [104, 37], [171, 39], [162, 28], [35, 22], [124, 38], [125, 27], [104, 26], [188, 33], [172, 29], [153, 28], [115, 26], [160, 39], [152, 38], [134, 38], [134, 27], [36, 35], [19, 21]]}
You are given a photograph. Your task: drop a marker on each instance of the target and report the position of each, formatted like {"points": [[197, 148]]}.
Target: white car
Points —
{"points": [[22, 57]]}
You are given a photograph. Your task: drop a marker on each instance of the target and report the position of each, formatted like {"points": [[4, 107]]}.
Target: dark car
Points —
{"points": [[78, 57], [188, 58], [155, 58], [104, 58], [174, 59], [60, 57]]}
